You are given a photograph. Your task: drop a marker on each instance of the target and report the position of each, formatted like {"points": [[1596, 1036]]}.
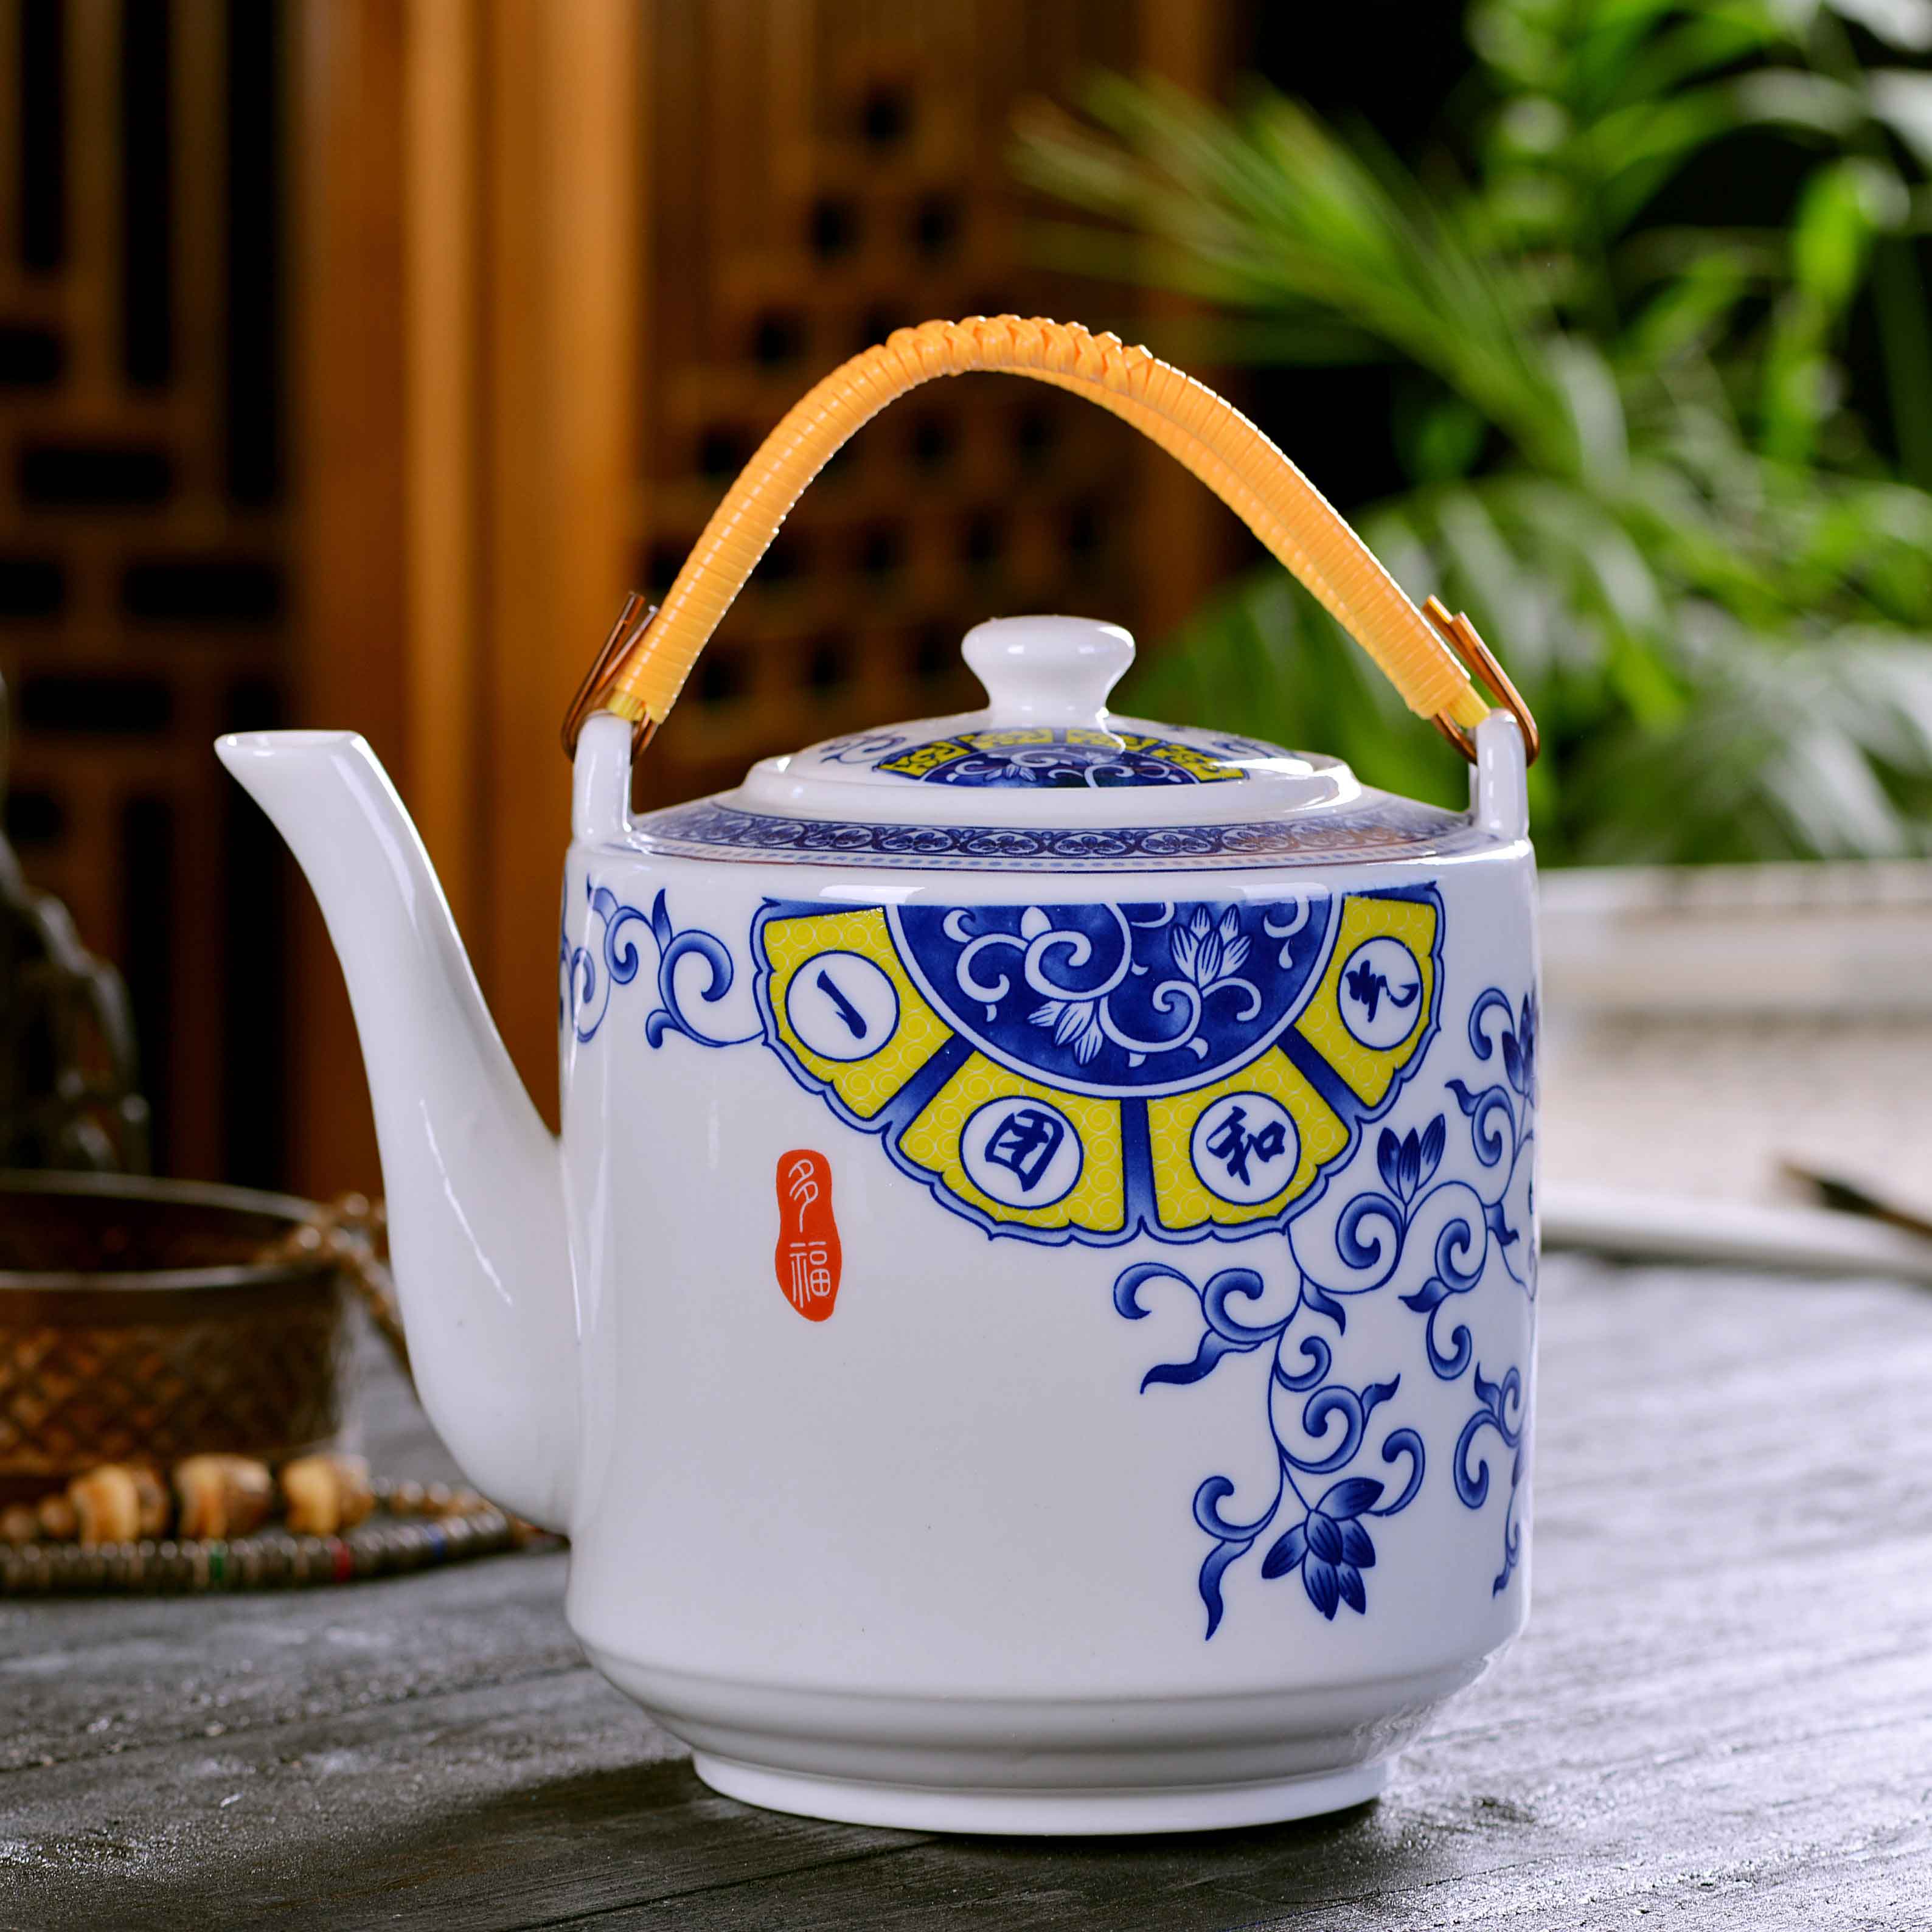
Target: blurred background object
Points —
{"points": [[67, 1060], [145, 551], [1618, 287], [357, 355], [143, 1320], [1711, 1028]]}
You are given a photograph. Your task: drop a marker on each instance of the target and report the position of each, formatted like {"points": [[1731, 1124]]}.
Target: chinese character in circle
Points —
{"points": [[1025, 1142], [1234, 1146], [1367, 987]]}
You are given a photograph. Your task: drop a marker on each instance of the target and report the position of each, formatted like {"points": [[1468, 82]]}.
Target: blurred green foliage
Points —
{"points": [[1631, 456]]}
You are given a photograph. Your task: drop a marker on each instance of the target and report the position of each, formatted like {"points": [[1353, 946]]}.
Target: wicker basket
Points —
{"points": [[139, 1320]]}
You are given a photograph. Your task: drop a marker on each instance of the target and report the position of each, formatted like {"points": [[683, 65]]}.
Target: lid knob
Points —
{"points": [[1056, 669]]}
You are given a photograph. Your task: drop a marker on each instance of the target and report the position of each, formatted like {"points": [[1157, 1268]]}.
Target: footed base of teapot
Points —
{"points": [[1015, 1810], [1043, 1765]]}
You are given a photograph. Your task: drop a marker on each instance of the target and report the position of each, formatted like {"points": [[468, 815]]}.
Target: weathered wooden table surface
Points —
{"points": [[1723, 1709]]}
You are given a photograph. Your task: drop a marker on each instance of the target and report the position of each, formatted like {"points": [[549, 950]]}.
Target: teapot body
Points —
{"points": [[1056, 1340]]}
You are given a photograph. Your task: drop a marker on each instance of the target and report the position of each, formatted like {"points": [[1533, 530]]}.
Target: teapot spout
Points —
{"points": [[477, 1231]]}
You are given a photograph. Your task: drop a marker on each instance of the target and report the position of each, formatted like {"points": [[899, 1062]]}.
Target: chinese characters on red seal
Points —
{"points": [[807, 1257]]}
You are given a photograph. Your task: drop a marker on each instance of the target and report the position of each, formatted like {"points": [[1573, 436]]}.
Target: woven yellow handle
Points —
{"points": [[1211, 437]]}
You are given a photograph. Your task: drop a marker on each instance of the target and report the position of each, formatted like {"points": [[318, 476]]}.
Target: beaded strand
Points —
{"points": [[415, 1526]]}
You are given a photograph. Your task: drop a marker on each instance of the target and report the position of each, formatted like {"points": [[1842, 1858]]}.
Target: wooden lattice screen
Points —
{"points": [[143, 574], [824, 172], [379, 201]]}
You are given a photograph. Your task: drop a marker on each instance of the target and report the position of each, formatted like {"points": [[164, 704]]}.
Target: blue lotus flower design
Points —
{"points": [[1330, 1548]]}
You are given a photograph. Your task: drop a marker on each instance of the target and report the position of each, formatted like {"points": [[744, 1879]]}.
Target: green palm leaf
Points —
{"points": [[1637, 472]]}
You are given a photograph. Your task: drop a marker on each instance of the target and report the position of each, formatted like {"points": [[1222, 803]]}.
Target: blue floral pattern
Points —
{"points": [[1500, 1408], [1117, 998], [1388, 828], [1320, 1425], [584, 991], [1125, 1015], [1458, 1227], [1057, 758]]}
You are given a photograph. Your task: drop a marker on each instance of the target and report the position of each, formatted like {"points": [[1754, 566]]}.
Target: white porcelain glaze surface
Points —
{"points": [[1151, 1450]]}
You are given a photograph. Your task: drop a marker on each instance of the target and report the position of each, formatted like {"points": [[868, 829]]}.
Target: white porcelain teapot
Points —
{"points": [[1029, 1322]]}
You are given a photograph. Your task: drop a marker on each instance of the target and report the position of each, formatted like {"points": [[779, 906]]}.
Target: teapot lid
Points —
{"points": [[1046, 777], [1045, 744]]}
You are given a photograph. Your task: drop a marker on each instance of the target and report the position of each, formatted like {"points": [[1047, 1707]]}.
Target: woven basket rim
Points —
{"points": [[229, 1276]]}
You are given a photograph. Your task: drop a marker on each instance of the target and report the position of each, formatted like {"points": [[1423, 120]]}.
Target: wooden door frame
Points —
{"points": [[468, 245]]}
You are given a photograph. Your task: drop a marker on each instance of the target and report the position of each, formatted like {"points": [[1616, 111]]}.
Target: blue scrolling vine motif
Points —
{"points": [[1502, 1118], [1420, 1221], [584, 995], [1500, 1407], [1322, 1538]]}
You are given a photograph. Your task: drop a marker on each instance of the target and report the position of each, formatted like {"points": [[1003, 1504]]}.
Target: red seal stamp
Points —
{"points": [[807, 1258]]}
